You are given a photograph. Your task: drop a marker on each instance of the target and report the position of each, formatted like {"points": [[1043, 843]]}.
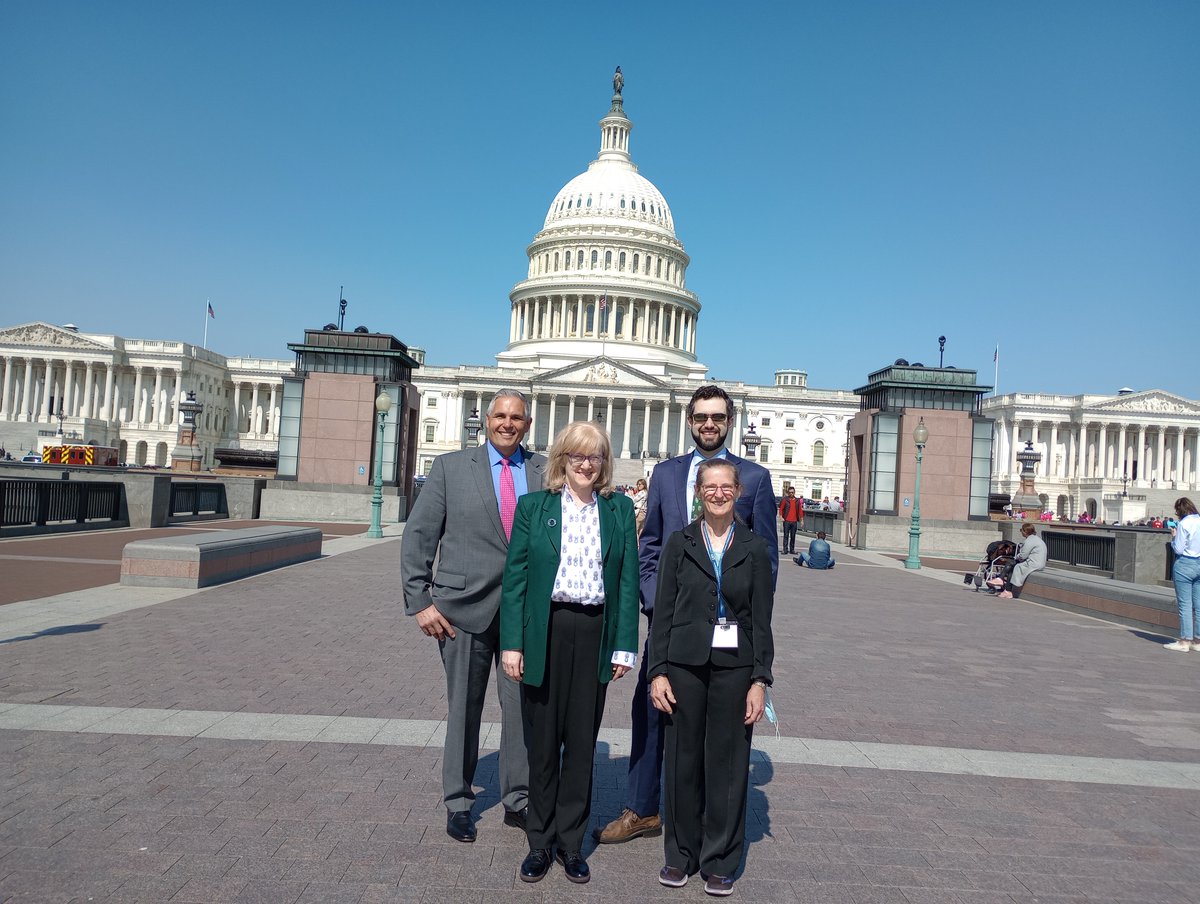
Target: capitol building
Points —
{"points": [[603, 327]]}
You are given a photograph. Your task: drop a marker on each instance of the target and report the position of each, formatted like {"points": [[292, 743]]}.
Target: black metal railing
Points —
{"points": [[42, 502], [197, 498], [1081, 550]]}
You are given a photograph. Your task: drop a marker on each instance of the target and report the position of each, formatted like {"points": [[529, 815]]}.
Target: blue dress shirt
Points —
{"points": [[517, 461]]}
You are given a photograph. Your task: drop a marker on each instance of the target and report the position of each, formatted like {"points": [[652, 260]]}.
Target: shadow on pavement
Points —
{"points": [[57, 631]]}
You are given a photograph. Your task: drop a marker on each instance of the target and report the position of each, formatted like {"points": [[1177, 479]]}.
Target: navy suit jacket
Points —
{"points": [[667, 512]]}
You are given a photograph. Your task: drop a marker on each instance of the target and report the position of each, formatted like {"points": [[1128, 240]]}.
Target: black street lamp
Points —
{"points": [[751, 441], [473, 424]]}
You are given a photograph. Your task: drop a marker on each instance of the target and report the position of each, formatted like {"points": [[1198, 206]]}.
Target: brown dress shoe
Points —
{"points": [[628, 826]]}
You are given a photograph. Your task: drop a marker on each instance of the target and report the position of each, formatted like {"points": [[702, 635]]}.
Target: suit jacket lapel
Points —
{"points": [[534, 471], [738, 549], [552, 521], [608, 525], [487, 491], [679, 486], [694, 549]]}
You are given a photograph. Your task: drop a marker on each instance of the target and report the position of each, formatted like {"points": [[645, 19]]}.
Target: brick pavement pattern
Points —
{"points": [[865, 653]]}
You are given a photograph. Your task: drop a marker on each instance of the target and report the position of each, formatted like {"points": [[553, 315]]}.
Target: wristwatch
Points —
{"points": [[760, 682]]}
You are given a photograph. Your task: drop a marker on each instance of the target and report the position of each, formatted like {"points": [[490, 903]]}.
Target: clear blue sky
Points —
{"points": [[850, 179]]}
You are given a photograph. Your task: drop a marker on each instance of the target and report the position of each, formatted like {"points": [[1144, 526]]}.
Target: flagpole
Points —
{"points": [[207, 303], [996, 376]]}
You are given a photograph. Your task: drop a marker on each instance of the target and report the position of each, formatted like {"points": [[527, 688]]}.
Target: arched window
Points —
{"points": [[567, 260], [607, 260], [818, 454], [595, 258], [556, 260], [589, 203], [635, 262], [658, 267], [579, 260], [591, 317], [646, 266], [621, 262], [622, 202], [620, 322]]}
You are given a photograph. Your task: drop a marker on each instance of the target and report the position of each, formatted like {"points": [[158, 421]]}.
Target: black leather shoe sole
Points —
{"points": [[459, 826], [574, 868], [535, 866]]}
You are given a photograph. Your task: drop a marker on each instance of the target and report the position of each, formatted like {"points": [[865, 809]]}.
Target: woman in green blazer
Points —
{"points": [[568, 626]]}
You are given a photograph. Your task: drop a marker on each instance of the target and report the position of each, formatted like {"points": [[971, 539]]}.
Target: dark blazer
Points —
{"points": [[685, 608], [456, 520], [529, 573], [667, 512]]}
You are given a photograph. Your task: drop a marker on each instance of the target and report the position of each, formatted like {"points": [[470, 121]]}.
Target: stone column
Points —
{"points": [[88, 379], [273, 417], [553, 413], [137, 407], [237, 407], [579, 322], [69, 389], [1177, 458], [646, 426], [608, 414], [1103, 443], [158, 397], [658, 339], [106, 411], [570, 409], [684, 436], [625, 432], [255, 413], [1013, 447], [591, 407], [666, 441], [5, 404], [1140, 457], [47, 390], [1160, 460]]}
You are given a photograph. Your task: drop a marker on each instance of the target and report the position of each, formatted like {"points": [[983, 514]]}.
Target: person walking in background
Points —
{"points": [[463, 519], [568, 626], [792, 513], [709, 677], [640, 491], [1185, 541], [819, 555], [672, 503]]}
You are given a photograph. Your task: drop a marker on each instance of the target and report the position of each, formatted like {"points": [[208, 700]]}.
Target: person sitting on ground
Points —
{"points": [[1031, 557], [818, 555]]}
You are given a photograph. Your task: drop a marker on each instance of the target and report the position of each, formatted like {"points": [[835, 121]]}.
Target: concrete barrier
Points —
{"points": [[1153, 608], [203, 560]]}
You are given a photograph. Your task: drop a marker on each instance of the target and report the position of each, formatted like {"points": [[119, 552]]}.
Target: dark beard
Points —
{"points": [[703, 445]]}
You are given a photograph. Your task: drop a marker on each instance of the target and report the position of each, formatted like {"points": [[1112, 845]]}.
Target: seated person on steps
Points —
{"points": [[818, 555]]}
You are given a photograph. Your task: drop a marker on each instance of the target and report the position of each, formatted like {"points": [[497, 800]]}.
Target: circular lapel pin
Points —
{"points": [[551, 522]]}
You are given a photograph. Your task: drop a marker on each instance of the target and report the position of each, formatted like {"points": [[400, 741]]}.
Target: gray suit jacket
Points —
{"points": [[456, 521]]}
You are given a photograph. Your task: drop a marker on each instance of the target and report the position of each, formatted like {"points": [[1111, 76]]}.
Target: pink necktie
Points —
{"points": [[508, 497]]}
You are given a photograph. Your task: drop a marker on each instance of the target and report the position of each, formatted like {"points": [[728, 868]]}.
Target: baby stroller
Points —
{"points": [[997, 564]]}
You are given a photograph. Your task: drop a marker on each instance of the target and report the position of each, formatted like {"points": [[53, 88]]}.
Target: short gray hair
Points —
{"points": [[507, 393]]}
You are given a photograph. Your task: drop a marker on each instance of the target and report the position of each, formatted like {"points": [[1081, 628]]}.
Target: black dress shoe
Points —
{"points": [[459, 826], [516, 818], [535, 865], [574, 866]]}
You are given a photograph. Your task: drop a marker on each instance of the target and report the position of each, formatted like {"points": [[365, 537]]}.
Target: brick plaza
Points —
{"points": [[279, 740]]}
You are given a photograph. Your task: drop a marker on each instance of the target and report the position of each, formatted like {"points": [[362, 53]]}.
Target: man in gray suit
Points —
{"points": [[462, 519]]}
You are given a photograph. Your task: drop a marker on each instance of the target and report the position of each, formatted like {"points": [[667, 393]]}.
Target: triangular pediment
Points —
{"points": [[45, 335], [1153, 401], [601, 371]]}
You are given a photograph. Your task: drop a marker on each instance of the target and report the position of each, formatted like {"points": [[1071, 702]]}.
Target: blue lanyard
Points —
{"points": [[716, 558]]}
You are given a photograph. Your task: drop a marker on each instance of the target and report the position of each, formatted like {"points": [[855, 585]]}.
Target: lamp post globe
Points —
{"points": [[920, 437], [383, 404]]}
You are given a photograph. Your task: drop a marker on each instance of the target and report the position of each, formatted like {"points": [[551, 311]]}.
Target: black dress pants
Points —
{"points": [[789, 536], [707, 769], [563, 716]]}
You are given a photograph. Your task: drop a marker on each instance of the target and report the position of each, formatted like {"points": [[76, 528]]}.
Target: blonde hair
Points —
{"points": [[581, 438], [641, 484]]}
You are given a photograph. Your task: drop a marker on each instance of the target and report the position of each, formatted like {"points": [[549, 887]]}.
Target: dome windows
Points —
{"points": [[621, 262], [589, 201], [607, 260]]}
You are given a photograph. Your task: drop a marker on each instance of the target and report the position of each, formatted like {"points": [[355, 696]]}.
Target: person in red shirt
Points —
{"points": [[792, 513]]}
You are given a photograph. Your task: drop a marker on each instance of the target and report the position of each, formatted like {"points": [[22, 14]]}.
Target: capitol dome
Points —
{"points": [[606, 273]]}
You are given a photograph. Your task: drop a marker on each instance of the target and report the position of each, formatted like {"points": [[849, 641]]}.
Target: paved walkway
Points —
{"points": [[278, 739]]}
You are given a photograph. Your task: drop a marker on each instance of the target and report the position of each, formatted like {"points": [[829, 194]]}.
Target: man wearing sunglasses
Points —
{"points": [[670, 506]]}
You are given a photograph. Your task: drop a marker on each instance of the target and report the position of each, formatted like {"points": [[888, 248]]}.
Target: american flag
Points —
{"points": [[604, 301], [211, 313]]}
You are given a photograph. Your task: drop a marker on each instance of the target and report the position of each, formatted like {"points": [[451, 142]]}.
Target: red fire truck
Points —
{"points": [[82, 456]]}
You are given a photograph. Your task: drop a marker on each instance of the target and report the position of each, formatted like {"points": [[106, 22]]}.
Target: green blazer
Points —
{"points": [[532, 565]]}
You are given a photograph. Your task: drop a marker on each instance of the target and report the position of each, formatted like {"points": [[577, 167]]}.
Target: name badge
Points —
{"points": [[725, 637]]}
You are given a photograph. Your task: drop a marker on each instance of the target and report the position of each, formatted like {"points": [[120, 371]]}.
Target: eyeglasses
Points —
{"points": [[713, 490], [577, 459], [719, 419]]}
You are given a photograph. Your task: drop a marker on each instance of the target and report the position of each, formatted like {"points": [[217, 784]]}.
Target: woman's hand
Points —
{"points": [[756, 699], [619, 671], [513, 663], [661, 694]]}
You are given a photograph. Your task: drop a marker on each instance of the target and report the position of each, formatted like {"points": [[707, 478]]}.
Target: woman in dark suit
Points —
{"points": [[568, 626], [709, 661]]}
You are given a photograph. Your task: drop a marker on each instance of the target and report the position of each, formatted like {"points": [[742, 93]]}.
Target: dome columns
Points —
{"points": [[625, 318]]}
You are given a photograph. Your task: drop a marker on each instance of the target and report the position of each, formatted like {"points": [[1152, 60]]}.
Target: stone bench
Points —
{"points": [[202, 560], [1131, 604]]}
